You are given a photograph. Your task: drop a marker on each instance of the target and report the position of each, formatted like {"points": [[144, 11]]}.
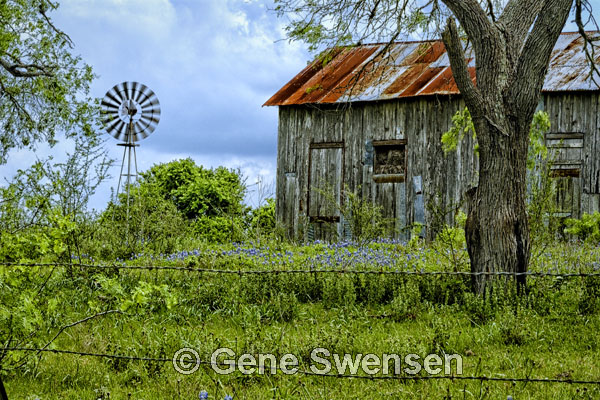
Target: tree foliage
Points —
{"points": [[198, 191], [43, 85], [172, 203], [586, 229], [462, 124], [48, 202], [153, 224]]}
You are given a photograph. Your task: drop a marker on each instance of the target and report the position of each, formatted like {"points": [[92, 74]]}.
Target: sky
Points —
{"points": [[212, 64]]}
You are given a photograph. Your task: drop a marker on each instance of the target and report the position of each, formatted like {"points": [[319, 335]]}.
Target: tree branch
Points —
{"points": [[81, 321], [589, 47], [15, 102], [488, 44], [460, 71], [516, 19], [471, 16], [491, 11], [42, 9], [532, 64], [21, 70]]}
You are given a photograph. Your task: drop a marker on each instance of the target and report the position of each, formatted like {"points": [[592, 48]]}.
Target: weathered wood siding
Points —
{"points": [[305, 132], [574, 115], [309, 135]]}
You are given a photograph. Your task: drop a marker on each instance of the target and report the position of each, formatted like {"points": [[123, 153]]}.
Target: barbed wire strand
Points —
{"points": [[307, 271], [311, 373]]}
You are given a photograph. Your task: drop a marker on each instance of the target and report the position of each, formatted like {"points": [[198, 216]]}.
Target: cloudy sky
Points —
{"points": [[212, 63]]}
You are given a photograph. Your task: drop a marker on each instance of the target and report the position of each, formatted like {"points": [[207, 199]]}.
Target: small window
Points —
{"points": [[389, 164]]}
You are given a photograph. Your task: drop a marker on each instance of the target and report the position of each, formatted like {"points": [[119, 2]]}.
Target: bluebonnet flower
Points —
{"points": [[228, 397], [203, 395]]}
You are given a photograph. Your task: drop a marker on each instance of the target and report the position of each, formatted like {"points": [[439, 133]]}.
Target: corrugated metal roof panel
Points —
{"points": [[414, 69]]}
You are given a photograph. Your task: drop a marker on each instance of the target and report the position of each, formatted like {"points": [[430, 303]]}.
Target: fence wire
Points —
{"points": [[402, 378], [306, 271]]}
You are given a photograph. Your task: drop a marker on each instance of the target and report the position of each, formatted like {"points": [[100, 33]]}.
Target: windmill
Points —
{"points": [[131, 112]]}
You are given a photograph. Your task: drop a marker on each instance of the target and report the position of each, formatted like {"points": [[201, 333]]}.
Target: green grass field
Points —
{"points": [[550, 332]]}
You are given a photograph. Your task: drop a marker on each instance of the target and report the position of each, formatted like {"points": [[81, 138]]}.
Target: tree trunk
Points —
{"points": [[511, 58], [497, 229]]}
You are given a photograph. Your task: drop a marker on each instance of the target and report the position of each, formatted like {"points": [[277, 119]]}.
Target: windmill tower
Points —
{"points": [[131, 112]]}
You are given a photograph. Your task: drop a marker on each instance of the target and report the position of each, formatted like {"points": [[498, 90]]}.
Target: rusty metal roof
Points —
{"points": [[414, 69]]}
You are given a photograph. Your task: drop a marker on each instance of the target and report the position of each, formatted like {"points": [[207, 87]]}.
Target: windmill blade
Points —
{"points": [[154, 113], [141, 131], [120, 130], [117, 128], [109, 118], [134, 87], [129, 89], [151, 103], [120, 92], [109, 115], [130, 111], [110, 100], [150, 119], [151, 109], [140, 93]]}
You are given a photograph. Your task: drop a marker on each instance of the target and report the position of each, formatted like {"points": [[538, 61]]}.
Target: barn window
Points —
{"points": [[389, 163]]}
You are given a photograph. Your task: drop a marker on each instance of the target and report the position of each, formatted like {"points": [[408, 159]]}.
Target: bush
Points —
{"points": [[171, 203], [220, 229], [198, 191], [154, 226], [586, 229], [262, 219]]}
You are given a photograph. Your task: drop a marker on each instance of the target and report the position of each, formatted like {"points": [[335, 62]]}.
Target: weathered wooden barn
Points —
{"points": [[373, 124]]}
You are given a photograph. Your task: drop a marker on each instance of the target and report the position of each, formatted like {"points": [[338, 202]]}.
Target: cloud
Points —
{"points": [[212, 63], [154, 18]]}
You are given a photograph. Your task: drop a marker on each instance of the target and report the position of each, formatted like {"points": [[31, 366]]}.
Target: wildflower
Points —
{"points": [[228, 397], [203, 395]]}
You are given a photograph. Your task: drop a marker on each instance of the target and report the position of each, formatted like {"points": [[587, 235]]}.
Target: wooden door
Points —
{"points": [[325, 184], [567, 190]]}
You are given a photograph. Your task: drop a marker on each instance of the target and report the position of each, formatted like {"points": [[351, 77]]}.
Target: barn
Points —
{"points": [[372, 124]]}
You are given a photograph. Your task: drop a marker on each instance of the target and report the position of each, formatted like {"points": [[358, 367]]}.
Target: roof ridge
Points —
{"points": [[415, 72]]}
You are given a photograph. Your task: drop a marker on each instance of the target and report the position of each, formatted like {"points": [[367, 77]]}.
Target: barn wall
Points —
{"points": [[444, 178], [421, 122], [571, 115]]}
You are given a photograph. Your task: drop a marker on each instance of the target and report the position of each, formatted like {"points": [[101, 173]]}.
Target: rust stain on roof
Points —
{"points": [[412, 69]]}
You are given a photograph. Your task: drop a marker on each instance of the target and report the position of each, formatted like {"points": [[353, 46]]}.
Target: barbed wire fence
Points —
{"points": [[274, 368], [241, 272]]}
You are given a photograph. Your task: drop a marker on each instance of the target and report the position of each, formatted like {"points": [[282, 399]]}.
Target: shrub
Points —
{"points": [[197, 191], [586, 229], [152, 224], [262, 220]]}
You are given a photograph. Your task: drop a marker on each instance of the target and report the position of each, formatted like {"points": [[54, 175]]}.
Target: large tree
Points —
{"points": [[43, 86], [512, 42]]}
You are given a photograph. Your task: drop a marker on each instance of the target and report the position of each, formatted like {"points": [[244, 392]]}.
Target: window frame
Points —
{"points": [[389, 178]]}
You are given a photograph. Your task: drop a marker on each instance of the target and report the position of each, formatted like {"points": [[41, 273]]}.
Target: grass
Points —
{"points": [[550, 333]]}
